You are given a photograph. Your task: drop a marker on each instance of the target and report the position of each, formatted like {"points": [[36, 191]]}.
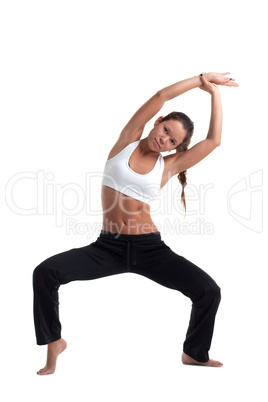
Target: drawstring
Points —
{"points": [[134, 249], [131, 241], [128, 252]]}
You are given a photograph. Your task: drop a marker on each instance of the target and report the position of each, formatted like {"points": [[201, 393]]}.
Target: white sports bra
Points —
{"points": [[119, 176]]}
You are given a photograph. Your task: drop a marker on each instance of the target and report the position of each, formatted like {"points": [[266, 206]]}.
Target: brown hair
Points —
{"points": [[189, 127]]}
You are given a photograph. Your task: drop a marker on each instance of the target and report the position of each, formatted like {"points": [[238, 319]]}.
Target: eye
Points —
{"points": [[166, 131]]}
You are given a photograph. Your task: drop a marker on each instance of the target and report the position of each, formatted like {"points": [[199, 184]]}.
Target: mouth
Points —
{"points": [[157, 144]]}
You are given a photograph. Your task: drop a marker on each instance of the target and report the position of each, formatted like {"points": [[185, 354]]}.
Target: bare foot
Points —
{"points": [[53, 351], [210, 363]]}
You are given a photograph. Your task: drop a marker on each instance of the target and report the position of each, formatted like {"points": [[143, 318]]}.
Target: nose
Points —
{"points": [[161, 141]]}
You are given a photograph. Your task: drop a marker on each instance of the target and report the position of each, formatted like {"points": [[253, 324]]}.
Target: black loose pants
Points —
{"points": [[143, 254]]}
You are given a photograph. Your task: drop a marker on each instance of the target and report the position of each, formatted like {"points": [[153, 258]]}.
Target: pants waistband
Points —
{"points": [[130, 241]]}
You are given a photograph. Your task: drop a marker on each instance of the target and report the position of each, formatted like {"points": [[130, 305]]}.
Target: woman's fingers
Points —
{"points": [[231, 84], [229, 81], [220, 79], [226, 81]]}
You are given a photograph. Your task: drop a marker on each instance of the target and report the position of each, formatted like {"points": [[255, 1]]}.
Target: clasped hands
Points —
{"points": [[210, 79]]}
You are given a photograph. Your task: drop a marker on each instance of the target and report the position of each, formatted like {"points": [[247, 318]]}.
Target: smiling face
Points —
{"points": [[167, 135]]}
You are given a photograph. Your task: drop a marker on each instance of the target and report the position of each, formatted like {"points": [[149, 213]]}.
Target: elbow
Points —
{"points": [[161, 94], [214, 143]]}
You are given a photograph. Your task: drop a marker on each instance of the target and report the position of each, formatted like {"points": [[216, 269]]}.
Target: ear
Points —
{"points": [[158, 120]]}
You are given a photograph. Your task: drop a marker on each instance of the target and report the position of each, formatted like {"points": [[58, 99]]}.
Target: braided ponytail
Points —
{"points": [[182, 175], [189, 127]]}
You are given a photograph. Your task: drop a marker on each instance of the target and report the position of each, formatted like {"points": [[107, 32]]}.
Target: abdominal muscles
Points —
{"points": [[125, 215]]}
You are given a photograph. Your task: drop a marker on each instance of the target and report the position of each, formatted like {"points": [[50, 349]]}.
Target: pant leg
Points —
{"points": [[97, 260], [159, 263]]}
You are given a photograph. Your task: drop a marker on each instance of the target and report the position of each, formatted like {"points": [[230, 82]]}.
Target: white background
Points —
{"points": [[72, 74]]}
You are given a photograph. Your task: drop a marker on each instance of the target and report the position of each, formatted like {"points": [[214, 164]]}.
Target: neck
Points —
{"points": [[145, 149]]}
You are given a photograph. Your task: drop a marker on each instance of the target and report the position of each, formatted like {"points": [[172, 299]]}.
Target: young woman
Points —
{"points": [[129, 241]]}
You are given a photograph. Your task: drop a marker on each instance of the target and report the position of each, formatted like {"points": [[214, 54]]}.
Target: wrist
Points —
{"points": [[199, 77], [215, 90], [208, 76]]}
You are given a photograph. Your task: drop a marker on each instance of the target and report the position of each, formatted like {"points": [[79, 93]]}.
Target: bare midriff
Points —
{"points": [[125, 215]]}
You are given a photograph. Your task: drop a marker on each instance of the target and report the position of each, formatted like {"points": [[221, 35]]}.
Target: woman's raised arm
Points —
{"points": [[185, 160], [134, 128], [181, 87]]}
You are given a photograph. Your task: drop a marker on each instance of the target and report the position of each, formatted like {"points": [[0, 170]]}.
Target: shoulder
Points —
{"points": [[118, 147], [126, 138]]}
